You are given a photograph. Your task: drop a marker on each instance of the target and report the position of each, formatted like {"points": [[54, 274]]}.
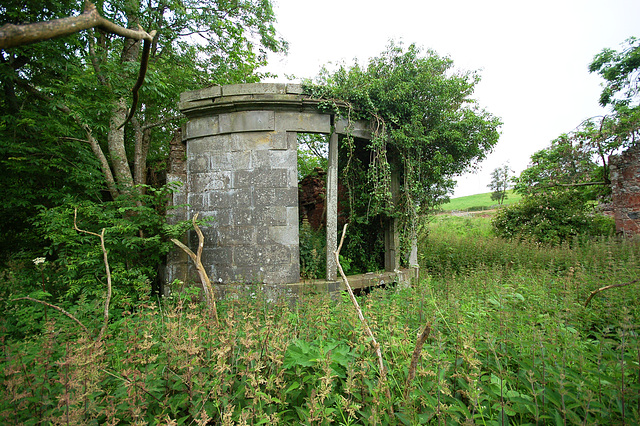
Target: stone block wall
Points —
{"points": [[241, 175], [625, 190]]}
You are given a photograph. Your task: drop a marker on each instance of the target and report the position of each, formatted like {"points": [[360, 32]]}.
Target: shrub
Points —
{"points": [[551, 218]]}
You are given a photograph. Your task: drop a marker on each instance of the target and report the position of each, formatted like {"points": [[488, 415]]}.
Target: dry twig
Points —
{"points": [[607, 287], [106, 265], [374, 342], [416, 355], [58, 308], [204, 278]]}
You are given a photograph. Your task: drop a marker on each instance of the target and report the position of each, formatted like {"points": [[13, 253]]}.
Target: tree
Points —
{"points": [[500, 182], [620, 94], [565, 163], [67, 98], [562, 181], [552, 217], [426, 129]]}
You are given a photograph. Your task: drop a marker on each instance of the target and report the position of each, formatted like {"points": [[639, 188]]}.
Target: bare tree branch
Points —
{"points": [[144, 62], [17, 35], [56, 308], [204, 278], [422, 338], [594, 292], [106, 264], [374, 342]]}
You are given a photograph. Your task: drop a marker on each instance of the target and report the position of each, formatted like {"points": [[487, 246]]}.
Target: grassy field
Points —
{"points": [[493, 333], [478, 202]]}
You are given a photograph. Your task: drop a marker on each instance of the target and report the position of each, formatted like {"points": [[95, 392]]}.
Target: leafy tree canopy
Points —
{"points": [[564, 163], [500, 182], [621, 127], [64, 100], [427, 128]]}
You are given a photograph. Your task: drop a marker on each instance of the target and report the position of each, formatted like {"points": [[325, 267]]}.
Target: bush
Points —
{"points": [[551, 218], [71, 272]]}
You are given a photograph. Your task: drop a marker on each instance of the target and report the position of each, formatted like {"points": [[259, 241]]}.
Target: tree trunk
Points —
{"points": [[116, 136], [142, 142], [117, 151]]}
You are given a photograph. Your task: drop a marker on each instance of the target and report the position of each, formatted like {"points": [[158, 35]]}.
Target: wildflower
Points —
{"points": [[39, 260]]}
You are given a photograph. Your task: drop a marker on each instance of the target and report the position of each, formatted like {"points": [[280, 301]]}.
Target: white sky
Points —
{"points": [[532, 56]]}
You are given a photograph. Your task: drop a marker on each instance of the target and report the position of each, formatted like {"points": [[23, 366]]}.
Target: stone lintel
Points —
{"points": [[359, 129]]}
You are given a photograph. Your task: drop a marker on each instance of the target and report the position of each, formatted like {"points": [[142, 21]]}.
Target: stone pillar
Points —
{"points": [[332, 207], [391, 236]]}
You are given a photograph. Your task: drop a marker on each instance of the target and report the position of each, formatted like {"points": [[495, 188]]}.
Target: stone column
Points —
{"points": [[332, 206], [391, 236]]}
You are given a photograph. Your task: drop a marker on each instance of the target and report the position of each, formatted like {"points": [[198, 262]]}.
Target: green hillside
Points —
{"points": [[478, 202]]}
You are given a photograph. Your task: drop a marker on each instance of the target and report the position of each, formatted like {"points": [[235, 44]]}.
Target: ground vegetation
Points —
{"points": [[509, 341]]}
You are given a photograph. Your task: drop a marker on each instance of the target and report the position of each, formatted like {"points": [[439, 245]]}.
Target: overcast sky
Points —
{"points": [[532, 56]]}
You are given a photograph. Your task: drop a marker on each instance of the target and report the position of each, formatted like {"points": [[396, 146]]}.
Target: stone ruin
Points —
{"points": [[237, 162], [625, 190]]}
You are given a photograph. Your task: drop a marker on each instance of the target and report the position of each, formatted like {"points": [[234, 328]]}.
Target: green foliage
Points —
{"points": [[620, 71], [426, 129], [565, 162], [510, 343], [312, 251], [73, 270], [500, 182], [312, 154], [552, 217]]}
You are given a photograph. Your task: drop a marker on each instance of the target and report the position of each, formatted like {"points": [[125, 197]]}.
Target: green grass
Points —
{"points": [[510, 342], [478, 202]]}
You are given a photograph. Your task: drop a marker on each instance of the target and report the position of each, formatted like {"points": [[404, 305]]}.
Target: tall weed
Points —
{"points": [[511, 343]]}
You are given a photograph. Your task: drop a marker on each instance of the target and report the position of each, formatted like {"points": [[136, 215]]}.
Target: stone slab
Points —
{"points": [[247, 121]]}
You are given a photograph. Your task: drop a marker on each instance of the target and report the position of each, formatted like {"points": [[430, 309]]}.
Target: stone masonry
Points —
{"points": [[625, 190], [241, 174]]}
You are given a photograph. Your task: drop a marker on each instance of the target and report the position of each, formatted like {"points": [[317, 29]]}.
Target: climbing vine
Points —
{"points": [[426, 129]]}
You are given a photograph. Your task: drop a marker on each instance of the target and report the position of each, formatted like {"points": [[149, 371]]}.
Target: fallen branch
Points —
{"points": [[374, 343], [594, 292], [422, 338], [106, 265], [58, 308], [204, 278]]}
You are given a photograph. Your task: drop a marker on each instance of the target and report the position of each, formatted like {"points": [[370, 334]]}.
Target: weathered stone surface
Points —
{"points": [[305, 122], [625, 190], [204, 182], [202, 126], [206, 93], [254, 89], [241, 173], [246, 121]]}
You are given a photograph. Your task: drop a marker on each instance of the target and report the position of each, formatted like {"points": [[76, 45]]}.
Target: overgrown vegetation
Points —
{"points": [[510, 343], [426, 128], [552, 217]]}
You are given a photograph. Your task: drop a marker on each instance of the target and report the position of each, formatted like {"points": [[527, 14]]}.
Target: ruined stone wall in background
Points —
{"points": [[625, 190]]}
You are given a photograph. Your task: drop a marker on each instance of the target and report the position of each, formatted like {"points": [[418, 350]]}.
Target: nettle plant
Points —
{"points": [[426, 128]]}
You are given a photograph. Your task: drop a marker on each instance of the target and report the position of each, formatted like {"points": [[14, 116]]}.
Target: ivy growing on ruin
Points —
{"points": [[426, 129]]}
